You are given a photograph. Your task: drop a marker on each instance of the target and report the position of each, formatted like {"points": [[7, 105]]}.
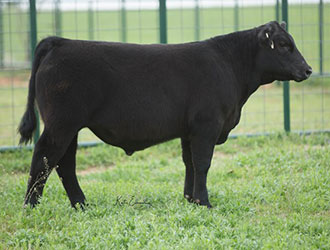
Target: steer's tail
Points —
{"points": [[29, 120]]}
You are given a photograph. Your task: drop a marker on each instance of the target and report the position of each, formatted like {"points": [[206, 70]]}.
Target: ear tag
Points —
{"points": [[272, 43]]}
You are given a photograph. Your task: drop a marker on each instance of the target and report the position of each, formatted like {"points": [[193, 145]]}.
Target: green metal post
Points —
{"points": [[58, 19], [90, 22], [321, 36], [123, 22], [33, 41], [236, 20], [2, 51], [277, 10], [162, 21], [197, 26], [286, 87], [277, 17]]}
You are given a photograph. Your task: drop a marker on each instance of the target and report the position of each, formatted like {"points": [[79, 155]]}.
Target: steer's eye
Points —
{"points": [[283, 44]]}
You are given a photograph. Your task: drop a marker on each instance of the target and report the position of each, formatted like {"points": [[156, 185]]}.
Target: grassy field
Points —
{"points": [[310, 101], [268, 193]]}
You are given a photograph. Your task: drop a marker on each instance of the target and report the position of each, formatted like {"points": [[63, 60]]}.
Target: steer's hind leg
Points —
{"points": [[67, 172], [189, 178], [48, 151]]}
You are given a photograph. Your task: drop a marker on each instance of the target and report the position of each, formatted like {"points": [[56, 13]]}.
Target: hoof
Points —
{"points": [[82, 205], [202, 203], [30, 205], [188, 198], [31, 201]]}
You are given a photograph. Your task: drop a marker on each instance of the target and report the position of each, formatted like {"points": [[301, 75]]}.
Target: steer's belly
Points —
{"points": [[132, 139], [138, 122]]}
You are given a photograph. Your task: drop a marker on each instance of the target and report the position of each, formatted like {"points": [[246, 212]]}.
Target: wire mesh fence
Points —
{"points": [[171, 21]]}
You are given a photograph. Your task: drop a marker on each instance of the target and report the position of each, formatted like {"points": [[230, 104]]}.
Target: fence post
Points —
{"points": [[58, 19], [33, 41], [197, 27], [90, 21], [277, 10], [162, 21], [123, 22], [286, 87], [236, 20], [321, 36], [277, 17], [2, 51]]}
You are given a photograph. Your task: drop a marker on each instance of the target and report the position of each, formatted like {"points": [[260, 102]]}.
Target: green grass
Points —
{"points": [[268, 192], [310, 101]]}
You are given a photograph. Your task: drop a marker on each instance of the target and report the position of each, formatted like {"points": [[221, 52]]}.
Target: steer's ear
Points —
{"points": [[283, 25], [265, 37]]}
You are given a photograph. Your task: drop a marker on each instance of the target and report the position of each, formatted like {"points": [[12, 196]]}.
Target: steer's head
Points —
{"points": [[278, 57]]}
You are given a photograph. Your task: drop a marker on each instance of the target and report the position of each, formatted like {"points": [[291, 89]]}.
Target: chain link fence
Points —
{"points": [[23, 23]]}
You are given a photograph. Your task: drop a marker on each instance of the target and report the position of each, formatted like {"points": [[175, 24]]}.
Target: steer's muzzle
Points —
{"points": [[303, 74]]}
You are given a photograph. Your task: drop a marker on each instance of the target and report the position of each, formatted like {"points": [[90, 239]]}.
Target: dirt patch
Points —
{"points": [[315, 147], [94, 170], [16, 81], [219, 154], [324, 213]]}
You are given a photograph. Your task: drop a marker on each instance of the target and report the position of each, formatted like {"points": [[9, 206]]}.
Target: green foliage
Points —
{"points": [[268, 192]]}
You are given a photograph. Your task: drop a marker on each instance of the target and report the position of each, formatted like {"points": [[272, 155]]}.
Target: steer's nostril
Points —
{"points": [[309, 71]]}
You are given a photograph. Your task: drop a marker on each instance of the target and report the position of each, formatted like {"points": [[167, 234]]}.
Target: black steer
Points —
{"points": [[135, 96]]}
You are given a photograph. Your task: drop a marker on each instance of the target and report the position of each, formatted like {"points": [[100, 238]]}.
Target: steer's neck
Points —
{"points": [[240, 50]]}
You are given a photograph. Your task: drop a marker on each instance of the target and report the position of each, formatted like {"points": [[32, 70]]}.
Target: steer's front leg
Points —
{"points": [[189, 178], [202, 147]]}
